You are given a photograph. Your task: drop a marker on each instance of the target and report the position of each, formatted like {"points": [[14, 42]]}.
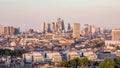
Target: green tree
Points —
{"points": [[107, 63], [85, 62], [117, 62], [75, 62], [64, 64], [71, 63], [7, 52], [96, 63], [98, 44]]}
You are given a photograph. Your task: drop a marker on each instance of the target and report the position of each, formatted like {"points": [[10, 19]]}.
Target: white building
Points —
{"points": [[35, 57], [27, 57], [54, 56], [87, 53], [111, 42], [57, 57], [23, 41], [72, 55]]}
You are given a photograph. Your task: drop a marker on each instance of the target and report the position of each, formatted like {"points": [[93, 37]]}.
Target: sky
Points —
{"points": [[31, 13]]}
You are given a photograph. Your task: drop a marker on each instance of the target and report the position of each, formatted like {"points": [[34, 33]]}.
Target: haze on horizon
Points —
{"points": [[31, 13]]}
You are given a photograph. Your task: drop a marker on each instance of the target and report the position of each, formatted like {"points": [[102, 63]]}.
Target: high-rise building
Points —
{"points": [[16, 30], [86, 29], [116, 34], [6, 31], [62, 25], [53, 27], [69, 27], [58, 24], [1, 29], [92, 29], [76, 30], [48, 27], [43, 27], [9, 30]]}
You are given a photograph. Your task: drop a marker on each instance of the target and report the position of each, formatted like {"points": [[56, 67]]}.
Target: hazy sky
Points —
{"points": [[31, 13]]}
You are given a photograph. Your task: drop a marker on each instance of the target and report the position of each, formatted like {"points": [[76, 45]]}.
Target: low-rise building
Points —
{"points": [[103, 55], [34, 57], [72, 55]]}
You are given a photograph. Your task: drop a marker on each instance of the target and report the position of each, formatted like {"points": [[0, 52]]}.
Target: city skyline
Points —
{"points": [[30, 14]]}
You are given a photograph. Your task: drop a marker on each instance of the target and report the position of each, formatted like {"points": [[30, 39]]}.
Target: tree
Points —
{"points": [[85, 62], [71, 63], [64, 64], [20, 52], [1, 51], [7, 52], [117, 62], [98, 44], [107, 63], [75, 62], [96, 63]]}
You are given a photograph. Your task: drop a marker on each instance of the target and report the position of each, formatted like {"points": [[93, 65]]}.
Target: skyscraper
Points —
{"points": [[69, 27], [76, 30], [9, 30], [16, 30], [43, 27], [58, 24], [116, 34], [6, 30], [48, 27], [62, 25], [53, 27], [1, 29], [92, 29], [86, 30]]}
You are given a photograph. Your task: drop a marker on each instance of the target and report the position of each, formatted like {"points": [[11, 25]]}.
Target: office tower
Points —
{"points": [[9, 30], [116, 34], [69, 27], [58, 24], [92, 29], [86, 30], [48, 27], [53, 26], [62, 25], [56, 29], [99, 30], [17, 30], [76, 30], [1, 29], [6, 31], [43, 27]]}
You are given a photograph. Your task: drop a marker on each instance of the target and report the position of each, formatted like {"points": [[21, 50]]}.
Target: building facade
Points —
{"points": [[76, 30], [116, 34], [1, 29]]}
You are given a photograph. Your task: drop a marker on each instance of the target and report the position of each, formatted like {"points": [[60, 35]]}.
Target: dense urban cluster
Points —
{"points": [[57, 46]]}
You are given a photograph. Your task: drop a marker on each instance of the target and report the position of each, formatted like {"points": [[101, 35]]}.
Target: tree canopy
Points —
{"points": [[9, 52], [117, 62], [75, 62], [107, 63]]}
